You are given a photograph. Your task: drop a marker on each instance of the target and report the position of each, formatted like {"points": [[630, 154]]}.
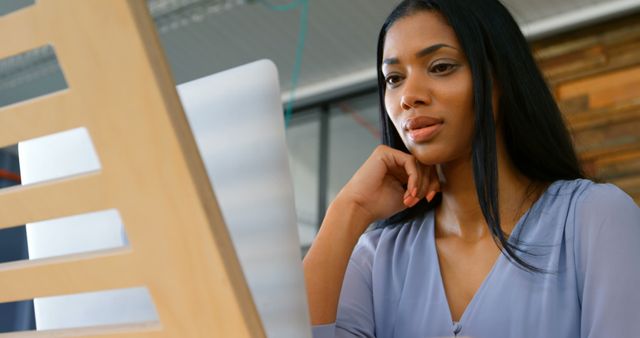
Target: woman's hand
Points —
{"points": [[388, 182]]}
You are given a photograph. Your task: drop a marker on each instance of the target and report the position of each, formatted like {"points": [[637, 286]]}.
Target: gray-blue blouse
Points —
{"points": [[587, 235]]}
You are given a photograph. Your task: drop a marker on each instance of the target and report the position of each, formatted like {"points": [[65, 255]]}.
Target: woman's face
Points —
{"points": [[429, 91]]}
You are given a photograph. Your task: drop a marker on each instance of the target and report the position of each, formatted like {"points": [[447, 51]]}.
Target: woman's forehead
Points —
{"points": [[417, 31]]}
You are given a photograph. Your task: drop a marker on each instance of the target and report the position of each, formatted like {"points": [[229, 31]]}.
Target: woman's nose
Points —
{"points": [[415, 93]]}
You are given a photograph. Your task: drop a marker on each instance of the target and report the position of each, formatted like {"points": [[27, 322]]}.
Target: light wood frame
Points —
{"points": [[121, 90]]}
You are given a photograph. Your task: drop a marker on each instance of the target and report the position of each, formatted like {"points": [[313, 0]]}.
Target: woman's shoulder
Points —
{"points": [[593, 207], [590, 197], [585, 195], [393, 240], [602, 202], [605, 195]]}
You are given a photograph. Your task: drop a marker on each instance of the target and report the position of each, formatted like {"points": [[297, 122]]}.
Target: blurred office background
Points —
{"points": [[325, 51]]}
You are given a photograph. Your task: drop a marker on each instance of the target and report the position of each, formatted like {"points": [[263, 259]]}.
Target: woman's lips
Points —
{"points": [[422, 128], [424, 134]]}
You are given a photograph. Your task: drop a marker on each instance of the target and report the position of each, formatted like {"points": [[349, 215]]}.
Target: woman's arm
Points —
{"points": [[376, 191], [608, 263], [327, 259]]}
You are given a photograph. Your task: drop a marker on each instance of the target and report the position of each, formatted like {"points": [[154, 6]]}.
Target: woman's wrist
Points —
{"points": [[354, 215]]}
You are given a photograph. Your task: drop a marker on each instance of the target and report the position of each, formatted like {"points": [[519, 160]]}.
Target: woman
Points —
{"points": [[490, 229]]}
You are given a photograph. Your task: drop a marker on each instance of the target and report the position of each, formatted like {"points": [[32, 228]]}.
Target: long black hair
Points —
{"points": [[536, 138]]}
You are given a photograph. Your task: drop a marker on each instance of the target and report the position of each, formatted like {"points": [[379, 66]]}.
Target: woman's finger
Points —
{"points": [[412, 171], [433, 186], [426, 177], [417, 190]]}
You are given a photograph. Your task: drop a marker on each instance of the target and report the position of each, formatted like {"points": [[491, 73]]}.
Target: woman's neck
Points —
{"points": [[459, 214]]}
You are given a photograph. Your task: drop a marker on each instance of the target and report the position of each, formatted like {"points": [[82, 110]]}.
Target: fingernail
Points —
{"points": [[431, 195], [410, 201]]}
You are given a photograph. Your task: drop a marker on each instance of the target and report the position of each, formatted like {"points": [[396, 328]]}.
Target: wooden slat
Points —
{"points": [[604, 87], [620, 168], [622, 132], [627, 53], [69, 275], [50, 200], [595, 71], [559, 50], [593, 154], [21, 31], [574, 63], [604, 117], [142, 330], [43, 115], [574, 105], [625, 156]]}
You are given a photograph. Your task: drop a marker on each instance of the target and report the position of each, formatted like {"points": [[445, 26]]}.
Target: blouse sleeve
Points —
{"points": [[608, 263], [355, 308]]}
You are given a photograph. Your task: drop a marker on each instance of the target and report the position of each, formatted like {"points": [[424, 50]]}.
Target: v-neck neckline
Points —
{"points": [[499, 261], [441, 290]]}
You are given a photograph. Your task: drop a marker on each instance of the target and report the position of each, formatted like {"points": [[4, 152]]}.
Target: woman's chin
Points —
{"points": [[429, 159], [427, 155]]}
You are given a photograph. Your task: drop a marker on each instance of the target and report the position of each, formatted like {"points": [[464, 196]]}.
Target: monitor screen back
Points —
{"points": [[238, 123]]}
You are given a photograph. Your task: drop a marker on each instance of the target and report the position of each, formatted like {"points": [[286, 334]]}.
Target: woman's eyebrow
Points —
{"points": [[422, 53]]}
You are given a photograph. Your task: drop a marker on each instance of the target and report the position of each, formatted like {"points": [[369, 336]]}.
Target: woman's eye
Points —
{"points": [[392, 80], [442, 68]]}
